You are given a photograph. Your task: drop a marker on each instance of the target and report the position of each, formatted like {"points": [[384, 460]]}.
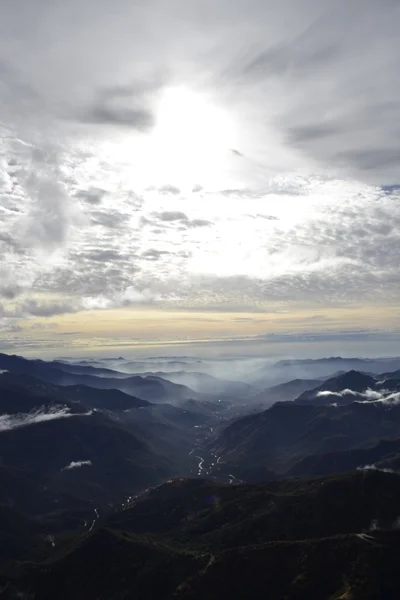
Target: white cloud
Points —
{"points": [[381, 396], [8, 422], [375, 468], [77, 464], [370, 395], [390, 399]]}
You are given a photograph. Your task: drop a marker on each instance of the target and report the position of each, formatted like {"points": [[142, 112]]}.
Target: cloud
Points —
{"points": [[111, 219], [9, 422], [51, 214], [9, 242], [374, 396], [296, 209], [9, 290], [170, 189], [181, 218], [375, 468], [128, 297], [39, 216], [122, 58], [121, 106], [10, 327], [92, 195], [153, 254], [241, 193], [371, 395], [44, 326], [322, 55], [36, 308], [47, 309], [77, 464], [169, 215], [389, 399], [139, 119], [103, 256], [199, 223]]}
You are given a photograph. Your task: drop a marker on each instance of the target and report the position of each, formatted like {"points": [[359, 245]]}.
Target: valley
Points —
{"points": [[189, 477]]}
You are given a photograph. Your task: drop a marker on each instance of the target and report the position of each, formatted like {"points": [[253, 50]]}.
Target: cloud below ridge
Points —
{"points": [[77, 464], [41, 415], [369, 396]]}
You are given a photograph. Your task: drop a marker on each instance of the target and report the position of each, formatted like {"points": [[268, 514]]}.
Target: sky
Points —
{"points": [[218, 175]]}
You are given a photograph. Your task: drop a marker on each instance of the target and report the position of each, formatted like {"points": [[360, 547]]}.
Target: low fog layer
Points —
{"points": [[258, 372]]}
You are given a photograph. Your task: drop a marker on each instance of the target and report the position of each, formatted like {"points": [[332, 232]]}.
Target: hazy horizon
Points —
{"points": [[238, 350]]}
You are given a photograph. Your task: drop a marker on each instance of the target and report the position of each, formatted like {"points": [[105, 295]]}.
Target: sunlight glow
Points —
{"points": [[191, 143], [192, 137]]}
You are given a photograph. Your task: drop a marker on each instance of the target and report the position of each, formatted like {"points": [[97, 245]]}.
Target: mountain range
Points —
{"points": [[329, 538], [61, 374], [88, 469], [333, 417]]}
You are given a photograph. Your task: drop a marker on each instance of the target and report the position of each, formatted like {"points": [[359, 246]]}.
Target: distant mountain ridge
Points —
{"points": [[333, 417], [155, 389], [284, 370], [354, 381], [205, 383], [285, 392]]}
